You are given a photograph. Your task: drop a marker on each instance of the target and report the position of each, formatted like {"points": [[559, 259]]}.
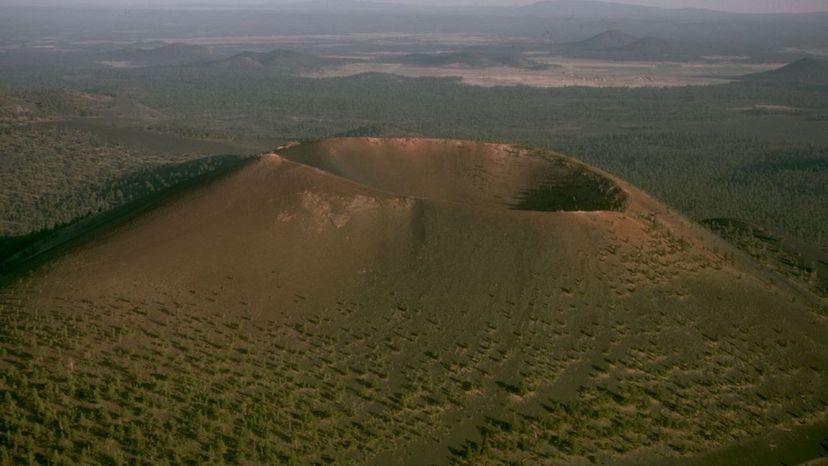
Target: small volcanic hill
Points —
{"points": [[804, 71], [283, 60], [410, 301]]}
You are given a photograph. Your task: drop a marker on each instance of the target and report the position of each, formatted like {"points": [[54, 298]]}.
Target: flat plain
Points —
{"points": [[568, 72]]}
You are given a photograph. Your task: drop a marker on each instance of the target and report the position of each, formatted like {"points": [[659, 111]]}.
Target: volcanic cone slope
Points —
{"points": [[409, 301]]}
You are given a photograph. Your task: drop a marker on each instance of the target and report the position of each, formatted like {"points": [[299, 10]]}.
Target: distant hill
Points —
{"points": [[471, 59], [284, 60], [549, 8], [65, 105], [544, 8], [583, 8], [804, 71], [169, 54], [343, 6], [611, 10], [618, 45]]}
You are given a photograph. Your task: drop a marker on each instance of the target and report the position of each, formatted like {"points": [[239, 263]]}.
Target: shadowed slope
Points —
{"points": [[804, 71], [384, 303]]}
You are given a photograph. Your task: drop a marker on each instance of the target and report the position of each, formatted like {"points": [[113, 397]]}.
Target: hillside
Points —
{"points": [[69, 154], [282, 60], [797, 260], [804, 71], [617, 45], [409, 301]]}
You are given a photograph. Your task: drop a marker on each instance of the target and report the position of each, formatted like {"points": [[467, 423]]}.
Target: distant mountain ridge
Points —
{"points": [[765, 6], [348, 6], [552, 8], [587, 8]]}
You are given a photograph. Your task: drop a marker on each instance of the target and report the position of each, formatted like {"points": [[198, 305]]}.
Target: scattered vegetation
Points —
{"points": [[690, 147], [119, 381]]}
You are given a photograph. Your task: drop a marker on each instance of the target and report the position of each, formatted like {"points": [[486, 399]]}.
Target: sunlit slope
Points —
{"points": [[407, 301]]}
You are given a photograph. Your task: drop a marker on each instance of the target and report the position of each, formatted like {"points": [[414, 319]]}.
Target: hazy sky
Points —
{"points": [[758, 6], [726, 5]]}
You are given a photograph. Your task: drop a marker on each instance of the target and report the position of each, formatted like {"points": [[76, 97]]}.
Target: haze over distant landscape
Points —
{"points": [[496, 232], [748, 6]]}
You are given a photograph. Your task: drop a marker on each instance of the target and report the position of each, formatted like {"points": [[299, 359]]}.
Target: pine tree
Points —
{"points": [[5, 459]]}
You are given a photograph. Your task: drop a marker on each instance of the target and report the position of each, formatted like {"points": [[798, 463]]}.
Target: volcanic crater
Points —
{"points": [[411, 301], [465, 172]]}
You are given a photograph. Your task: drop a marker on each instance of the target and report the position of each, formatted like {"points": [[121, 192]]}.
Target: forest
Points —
{"points": [[755, 151]]}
